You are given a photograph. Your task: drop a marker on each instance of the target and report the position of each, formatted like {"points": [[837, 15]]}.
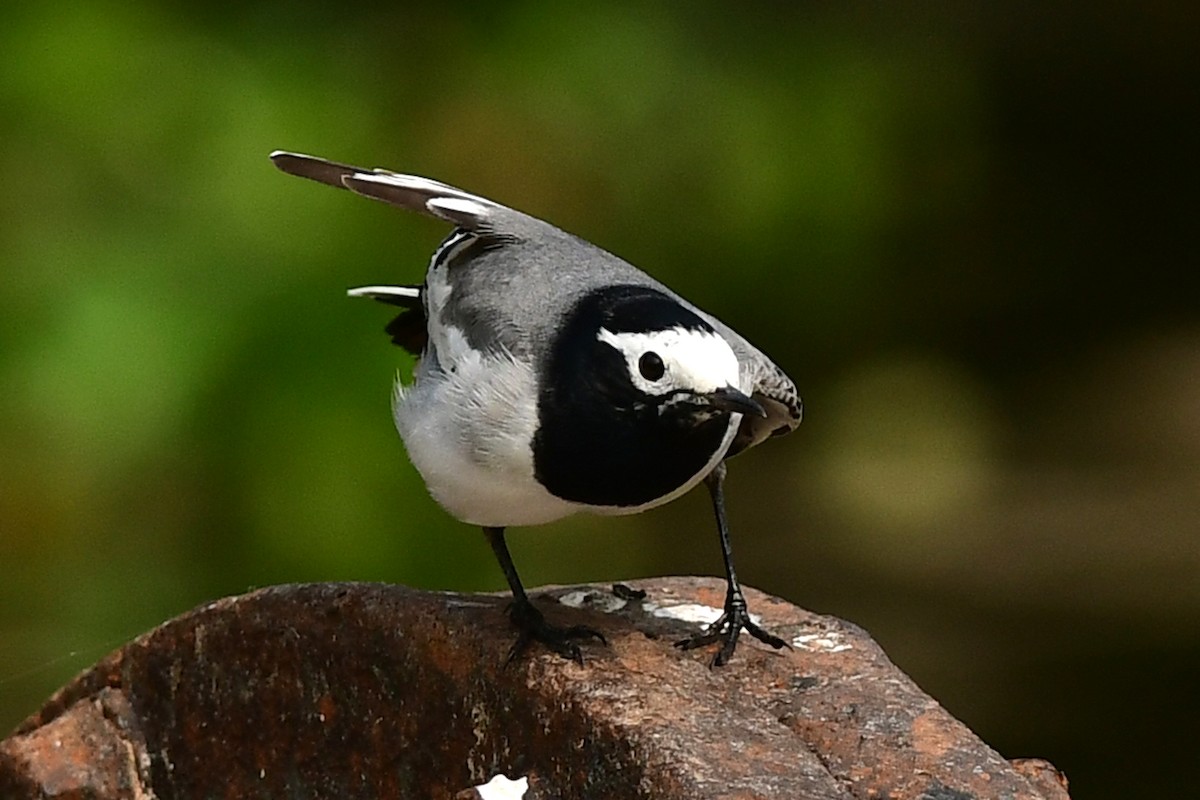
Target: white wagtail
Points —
{"points": [[556, 378]]}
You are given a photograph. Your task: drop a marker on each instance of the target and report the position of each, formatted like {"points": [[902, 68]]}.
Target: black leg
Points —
{"points": [[531, 625], [729, 626]]}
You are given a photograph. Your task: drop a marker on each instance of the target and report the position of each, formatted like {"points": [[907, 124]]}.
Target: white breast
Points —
{"points": [[468, 433]]}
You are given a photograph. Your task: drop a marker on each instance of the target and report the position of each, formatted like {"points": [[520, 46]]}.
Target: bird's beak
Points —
{"points": [[734, 400]]}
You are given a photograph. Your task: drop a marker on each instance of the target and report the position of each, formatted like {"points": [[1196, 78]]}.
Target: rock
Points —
{"points": [[368, 690]]}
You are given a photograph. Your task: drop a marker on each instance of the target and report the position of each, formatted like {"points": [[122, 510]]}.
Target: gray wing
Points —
{"points": [[521, 269], [509, 253], [470, 212]]}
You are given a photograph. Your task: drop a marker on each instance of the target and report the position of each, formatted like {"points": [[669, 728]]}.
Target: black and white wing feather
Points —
{"points": [[470, 212], [408, 328]]}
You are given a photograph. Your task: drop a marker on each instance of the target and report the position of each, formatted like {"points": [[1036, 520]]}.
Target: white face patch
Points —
{"points": [[693, 361]]}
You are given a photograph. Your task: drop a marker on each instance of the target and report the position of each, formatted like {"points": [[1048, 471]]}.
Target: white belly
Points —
{"points": [[468, 434]]}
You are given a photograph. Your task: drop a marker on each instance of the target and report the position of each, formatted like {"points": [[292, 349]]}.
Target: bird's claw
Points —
{"points": [[727, 629], [532, 627]]}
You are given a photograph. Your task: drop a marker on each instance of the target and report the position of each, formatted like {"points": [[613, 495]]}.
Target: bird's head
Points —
{"points": [[637, 398], [648, 355]]}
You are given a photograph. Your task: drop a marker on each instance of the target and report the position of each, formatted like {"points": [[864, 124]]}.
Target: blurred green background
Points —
{"points": [[967, 232]]}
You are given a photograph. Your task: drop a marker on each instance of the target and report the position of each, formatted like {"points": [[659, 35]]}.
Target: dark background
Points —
{"points": [[968, 233]]}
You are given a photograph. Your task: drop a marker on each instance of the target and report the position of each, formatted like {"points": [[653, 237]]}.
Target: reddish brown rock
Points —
{"points": [[366, 690]]}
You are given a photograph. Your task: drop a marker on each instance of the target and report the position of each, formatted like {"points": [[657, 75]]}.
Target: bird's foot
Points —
{"points": [[532, 627], [728, 628]]}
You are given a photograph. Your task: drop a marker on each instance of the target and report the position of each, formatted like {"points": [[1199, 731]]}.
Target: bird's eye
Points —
{"points": [[651, 366]]}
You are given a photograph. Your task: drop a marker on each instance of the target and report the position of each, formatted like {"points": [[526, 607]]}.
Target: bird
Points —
{"points": [[555, 378]]}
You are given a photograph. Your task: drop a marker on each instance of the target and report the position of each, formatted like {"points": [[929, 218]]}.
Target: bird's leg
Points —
{"points": [[736, 616], [531, 625]]}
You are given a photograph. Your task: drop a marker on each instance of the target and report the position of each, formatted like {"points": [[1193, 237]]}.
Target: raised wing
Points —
{"points": [[423, 195]]}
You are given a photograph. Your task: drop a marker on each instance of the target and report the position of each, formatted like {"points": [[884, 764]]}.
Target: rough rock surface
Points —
{"points": [[368, 690]]}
